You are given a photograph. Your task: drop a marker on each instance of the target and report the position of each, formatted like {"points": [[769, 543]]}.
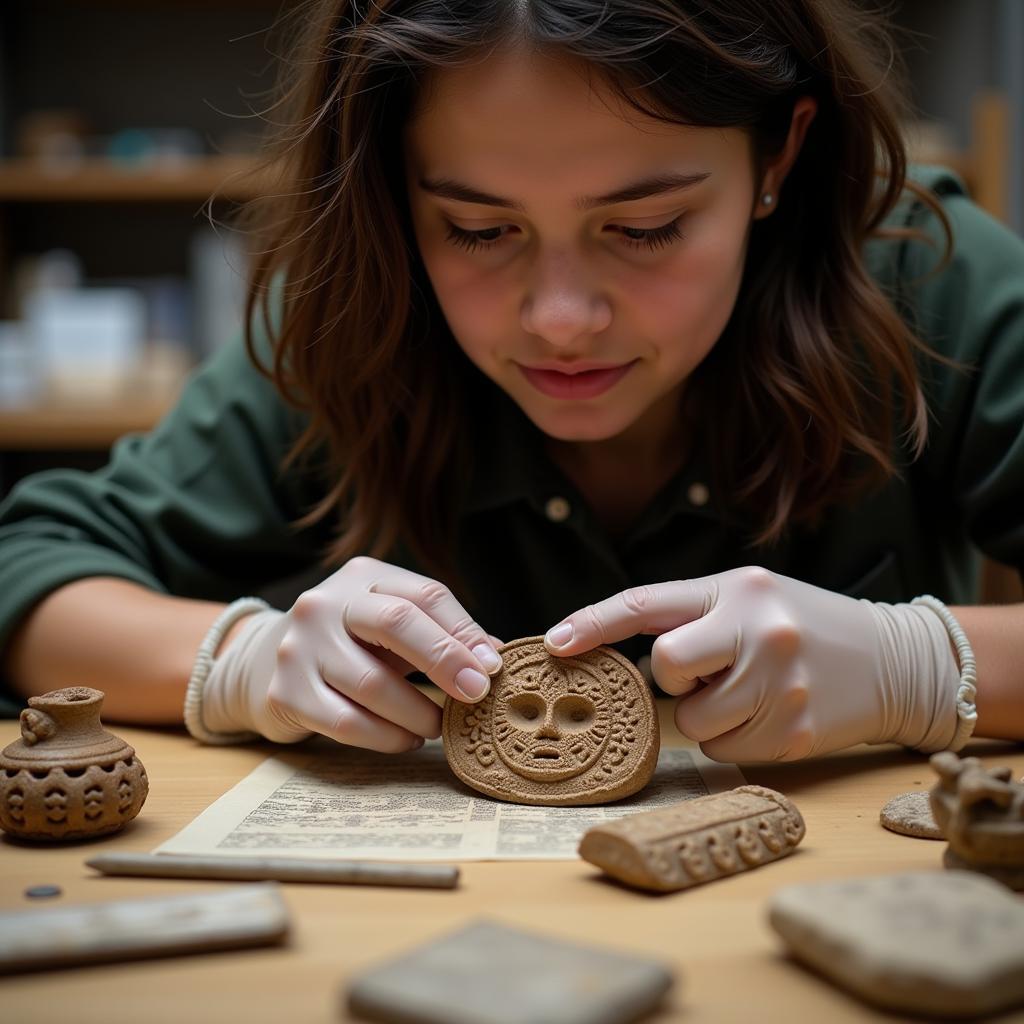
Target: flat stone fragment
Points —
{"points": [[556, 731], [91, 933], [948, 944], [488, 973], [696, 841], [910, 814]]}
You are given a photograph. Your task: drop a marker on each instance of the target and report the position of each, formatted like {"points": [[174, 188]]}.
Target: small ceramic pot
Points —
{"points": [[67, 777]]}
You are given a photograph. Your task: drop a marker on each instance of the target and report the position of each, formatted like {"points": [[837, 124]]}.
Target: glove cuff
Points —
{"points": [[203, 665], [918, 678], [967, 689]]}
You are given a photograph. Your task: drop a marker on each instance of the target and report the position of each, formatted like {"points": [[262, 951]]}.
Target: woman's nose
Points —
{"points": [[562, 303]]}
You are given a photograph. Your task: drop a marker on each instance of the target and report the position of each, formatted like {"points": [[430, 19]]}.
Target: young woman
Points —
{"points": [[615, 321]]}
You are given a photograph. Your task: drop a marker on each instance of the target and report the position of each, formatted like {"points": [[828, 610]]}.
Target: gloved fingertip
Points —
{"points": [[488, 657], [559, 637]]}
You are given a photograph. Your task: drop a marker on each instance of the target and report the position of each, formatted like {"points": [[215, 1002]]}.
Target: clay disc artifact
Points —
{"points": [[910, 814], [556, 731]]}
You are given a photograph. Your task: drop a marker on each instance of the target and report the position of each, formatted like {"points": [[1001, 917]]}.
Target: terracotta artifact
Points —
{"points": [[67, 777], [556, 731], [697, 840], [935, 943], [981, 813]]}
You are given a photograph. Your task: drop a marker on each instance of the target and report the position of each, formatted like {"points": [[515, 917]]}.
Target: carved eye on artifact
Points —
{"points": [[526, 710], [575, 713]]}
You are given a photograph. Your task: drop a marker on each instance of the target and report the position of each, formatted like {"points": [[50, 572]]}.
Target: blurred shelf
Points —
{"points": [[78, 427], [99, 180]]}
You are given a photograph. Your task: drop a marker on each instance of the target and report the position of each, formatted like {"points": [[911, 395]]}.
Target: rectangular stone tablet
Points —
{"points": [[250, 915], [488, 973]]}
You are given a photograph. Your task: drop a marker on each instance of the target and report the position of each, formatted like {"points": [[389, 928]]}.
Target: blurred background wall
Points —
{"points": [[119, 118]]}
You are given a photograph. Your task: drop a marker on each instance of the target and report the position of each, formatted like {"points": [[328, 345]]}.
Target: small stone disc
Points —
{"points": [[910, 814], [43, 892]]}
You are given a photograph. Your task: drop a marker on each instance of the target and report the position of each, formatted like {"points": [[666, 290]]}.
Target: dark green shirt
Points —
{"points": [[198, 507]]}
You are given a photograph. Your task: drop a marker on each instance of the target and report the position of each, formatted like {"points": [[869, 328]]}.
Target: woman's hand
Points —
{"points": [[335, 663], [770, 668]]}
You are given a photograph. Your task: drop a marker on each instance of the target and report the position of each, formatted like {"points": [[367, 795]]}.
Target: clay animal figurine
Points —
{"points": [[556, 731], [981, 813], [697, 840], [67, 777]]}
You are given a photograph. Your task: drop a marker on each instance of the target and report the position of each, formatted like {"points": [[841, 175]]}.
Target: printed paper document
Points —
{"points": [[347, 802]]}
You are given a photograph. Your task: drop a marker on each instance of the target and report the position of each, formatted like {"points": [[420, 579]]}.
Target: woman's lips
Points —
{"points": [[586, 384]]}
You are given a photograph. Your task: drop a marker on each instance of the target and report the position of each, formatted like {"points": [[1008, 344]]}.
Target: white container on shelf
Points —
{"points": [[89, 340], [20, 376]]}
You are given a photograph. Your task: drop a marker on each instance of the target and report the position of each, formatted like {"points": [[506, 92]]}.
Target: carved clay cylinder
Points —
{"points": [[67, 777], [697, 840]]}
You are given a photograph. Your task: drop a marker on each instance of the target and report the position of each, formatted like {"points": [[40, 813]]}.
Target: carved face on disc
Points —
{"points": [[551, 722], [554, 730]]}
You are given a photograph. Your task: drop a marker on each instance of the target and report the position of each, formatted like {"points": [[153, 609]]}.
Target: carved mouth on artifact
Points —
{"points": [[546, 754]]}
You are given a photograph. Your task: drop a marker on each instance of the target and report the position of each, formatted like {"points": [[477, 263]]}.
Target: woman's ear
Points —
{"points": [[774, 171]]}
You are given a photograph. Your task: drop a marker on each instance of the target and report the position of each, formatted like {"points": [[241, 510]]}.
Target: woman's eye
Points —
{"points": [[653, 238], [635, 238], [471, 240]]}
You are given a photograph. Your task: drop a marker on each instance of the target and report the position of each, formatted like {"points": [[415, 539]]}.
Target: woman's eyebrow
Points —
{"points": [[657, 184]]}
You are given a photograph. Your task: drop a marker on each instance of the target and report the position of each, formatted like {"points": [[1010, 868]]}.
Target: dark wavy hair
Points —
{"points": [[814, 379]]}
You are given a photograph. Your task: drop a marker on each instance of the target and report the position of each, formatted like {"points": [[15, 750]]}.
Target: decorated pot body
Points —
{"points": [[67, 777]]}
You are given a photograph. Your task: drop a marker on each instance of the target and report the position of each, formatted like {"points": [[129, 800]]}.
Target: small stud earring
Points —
{"points": [[767, 199]]}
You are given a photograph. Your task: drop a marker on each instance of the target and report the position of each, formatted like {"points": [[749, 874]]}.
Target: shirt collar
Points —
{"points": [[509, 460], [511, 465]]}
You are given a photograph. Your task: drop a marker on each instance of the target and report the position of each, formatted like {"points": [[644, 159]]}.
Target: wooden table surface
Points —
{"points": [[728, 962]]}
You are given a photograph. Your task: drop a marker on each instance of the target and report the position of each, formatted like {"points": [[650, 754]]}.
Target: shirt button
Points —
{"points": [[557, 509], [698, 494]]}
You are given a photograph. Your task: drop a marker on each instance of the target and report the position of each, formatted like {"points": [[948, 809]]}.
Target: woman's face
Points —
{"points": [[589, 304]]}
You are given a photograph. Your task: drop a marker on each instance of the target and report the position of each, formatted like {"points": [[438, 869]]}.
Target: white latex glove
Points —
{"points": [[334, 664], [775, 669]]}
